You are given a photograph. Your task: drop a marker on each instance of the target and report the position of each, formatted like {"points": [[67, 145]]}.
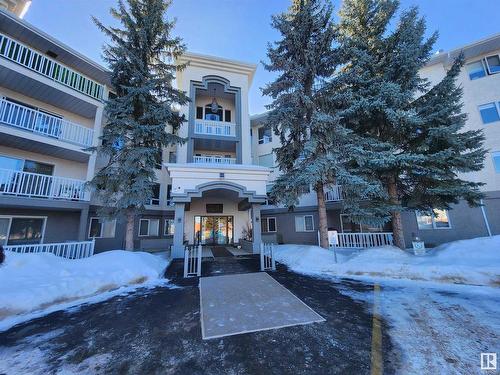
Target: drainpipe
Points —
{"points": [[485, 218]]}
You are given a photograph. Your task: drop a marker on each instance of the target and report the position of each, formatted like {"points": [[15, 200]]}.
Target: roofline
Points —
{"points": [[445, 55], [44, 35]]}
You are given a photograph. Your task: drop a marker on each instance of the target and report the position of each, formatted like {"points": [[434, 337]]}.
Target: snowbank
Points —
{"points": [[475, 261], [31, 282]]}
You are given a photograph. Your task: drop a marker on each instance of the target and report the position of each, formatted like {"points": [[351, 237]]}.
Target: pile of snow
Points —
{"points": [[475, 261], [30, 282]]}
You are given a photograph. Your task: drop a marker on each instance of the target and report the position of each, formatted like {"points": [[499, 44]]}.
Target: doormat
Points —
{"points": [[243, 303]]}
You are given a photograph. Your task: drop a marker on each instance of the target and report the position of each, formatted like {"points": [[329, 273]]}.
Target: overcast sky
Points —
{"points": [[240, 29]]}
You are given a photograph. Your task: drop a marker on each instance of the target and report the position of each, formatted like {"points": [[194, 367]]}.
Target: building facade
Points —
{"points": [[480, 80]]}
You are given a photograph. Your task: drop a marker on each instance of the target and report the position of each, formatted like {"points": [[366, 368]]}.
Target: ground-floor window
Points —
{"points": [[21, 230], [440, 220], [304, 223], [101, 228], [169, 227], [149, 227], [348, 226], [268, 224]]}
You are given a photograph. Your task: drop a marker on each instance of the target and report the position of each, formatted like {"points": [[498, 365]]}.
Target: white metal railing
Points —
{"points": [[226, 129], [362, 240], [333, 194], [267, 262], [209, 159], [192, 260], [26, 118], [70, 250], [41, 186], [48, 67]]}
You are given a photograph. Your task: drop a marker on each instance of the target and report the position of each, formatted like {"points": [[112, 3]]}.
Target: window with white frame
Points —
{"points": [[348, 226], [22, 230], [169, 227], [265, 135], [268, 224], [102, 228], [440, 220], [488, 65], [493, 63], [489, 112], [155, 199], [476, 70], [304, 223], [266, 160], [496, 161], [149, 227]]}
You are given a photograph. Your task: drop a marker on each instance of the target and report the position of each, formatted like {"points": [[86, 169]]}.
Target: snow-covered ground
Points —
{"points": [[475, 262], [32, 284]]}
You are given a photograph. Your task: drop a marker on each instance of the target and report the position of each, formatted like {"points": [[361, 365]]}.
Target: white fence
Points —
{"points": [[362, 240], [192, 260], [333, 194], [50, 68], [70, 250], [267, 262], [41, 185], [208, 159], [226, 129], [33, 120]]}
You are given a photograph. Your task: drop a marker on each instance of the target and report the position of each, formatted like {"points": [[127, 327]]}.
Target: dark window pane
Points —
{"points": [[493, 63], [263, 225], [272, 224], [25, 231], [36, 167], [227, 115], [199, 113], [214, 208], [144, 228], [95, 228]]}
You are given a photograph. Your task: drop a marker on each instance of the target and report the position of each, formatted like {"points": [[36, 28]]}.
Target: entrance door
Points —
{"points": [[213, 230]]}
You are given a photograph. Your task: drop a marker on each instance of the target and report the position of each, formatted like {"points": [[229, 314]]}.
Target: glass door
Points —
{"points": [[213, 230]]}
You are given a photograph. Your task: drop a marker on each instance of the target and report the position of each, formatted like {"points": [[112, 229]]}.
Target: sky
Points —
{"points": [[241, 30]]}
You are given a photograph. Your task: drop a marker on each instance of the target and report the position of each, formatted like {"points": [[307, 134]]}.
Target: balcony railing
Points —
{"points": [[50, 68], [36, 185], [225, 129], [30, 119], [214, 160], [334, 194]]}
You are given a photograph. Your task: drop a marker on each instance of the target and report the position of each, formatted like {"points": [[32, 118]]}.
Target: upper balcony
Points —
{"points": [[334, 194], [31, 59], [218, 128]]}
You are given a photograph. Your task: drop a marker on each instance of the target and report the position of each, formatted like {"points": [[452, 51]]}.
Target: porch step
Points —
{"points": [[221, 252]]}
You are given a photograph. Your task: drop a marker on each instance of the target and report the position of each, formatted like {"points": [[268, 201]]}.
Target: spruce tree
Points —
{"points": [[416, 129], [140, 119], [315, 147]]}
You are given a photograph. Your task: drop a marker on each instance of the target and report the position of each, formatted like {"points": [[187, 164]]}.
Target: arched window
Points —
{"points": [[211, 115]]}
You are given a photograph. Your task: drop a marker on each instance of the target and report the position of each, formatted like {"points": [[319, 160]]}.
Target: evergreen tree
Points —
{"points": [[415, 130], [315, 148], [140, 120]]}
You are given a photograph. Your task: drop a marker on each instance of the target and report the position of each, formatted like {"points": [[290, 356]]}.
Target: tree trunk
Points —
{"points": [[323, 221], [129, 231], [397, 224]]}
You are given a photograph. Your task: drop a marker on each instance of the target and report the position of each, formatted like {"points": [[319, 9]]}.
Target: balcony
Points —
{"points": [[38, 122], [333, 194], [219, 128], [208, 159], [29, 58], [36, 185]]}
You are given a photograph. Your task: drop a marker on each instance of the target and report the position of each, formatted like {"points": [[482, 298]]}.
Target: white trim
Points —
{"points": [[10, 217], [304, 222], [149, 228], [275, 224]]}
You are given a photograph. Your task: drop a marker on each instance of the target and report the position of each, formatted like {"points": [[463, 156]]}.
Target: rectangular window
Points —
{"points": [[348, 226], [102, 228], [227, 115], [268, 224], [36, 167], [149, 227], [155, 200], [304, 223], [476, 70], [265, 135], [22, 230], [169, 227], [266, 160], [440, 220], [496, 161], [214, 208], [172, 157], [11, 163], [158, 158], [489, 113], [199, 113], [493, 63]]}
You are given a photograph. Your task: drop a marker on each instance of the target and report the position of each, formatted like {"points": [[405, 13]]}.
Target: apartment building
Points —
{"points": [[480, 80]]}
